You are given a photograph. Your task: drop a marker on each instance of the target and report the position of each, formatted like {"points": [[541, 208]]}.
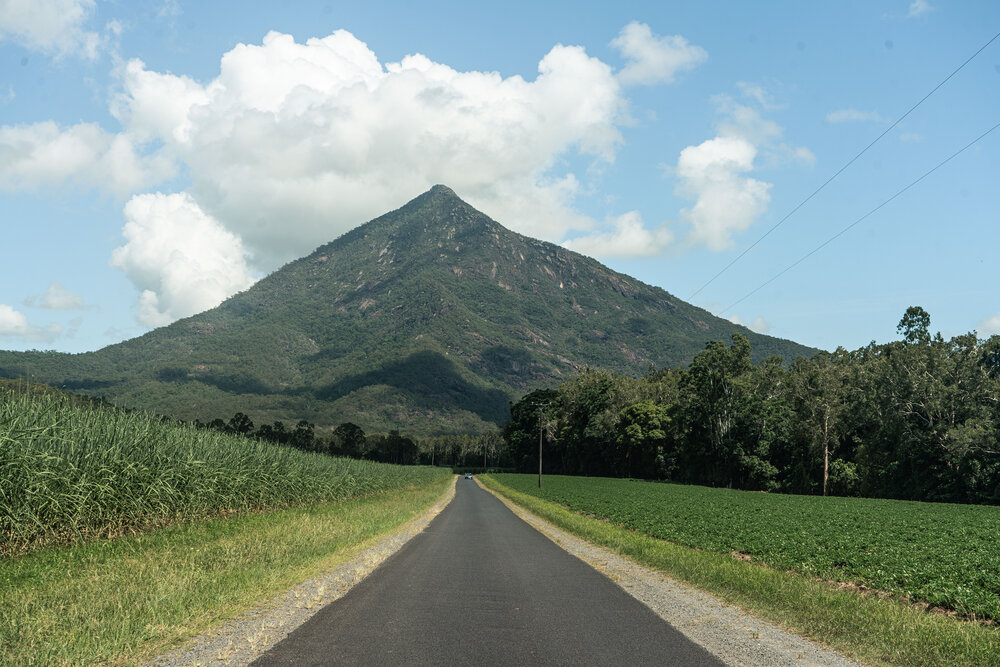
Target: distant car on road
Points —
{"points": [[468, 475]]}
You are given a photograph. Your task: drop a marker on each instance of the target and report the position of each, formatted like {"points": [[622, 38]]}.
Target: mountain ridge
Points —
{"points": [[429, 318]]}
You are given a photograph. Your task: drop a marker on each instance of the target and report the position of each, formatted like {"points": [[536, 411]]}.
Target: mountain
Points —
{"points": [[429, 319]]}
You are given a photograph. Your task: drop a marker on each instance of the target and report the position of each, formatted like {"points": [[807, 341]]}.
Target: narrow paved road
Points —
{"points": [[480, 586]]}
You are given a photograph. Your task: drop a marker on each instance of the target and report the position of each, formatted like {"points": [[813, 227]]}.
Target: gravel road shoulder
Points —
{"points": [[243, 640], [726, 631]]}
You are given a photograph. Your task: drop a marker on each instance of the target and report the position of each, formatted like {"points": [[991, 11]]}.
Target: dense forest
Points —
{"points": [[917, 418]]}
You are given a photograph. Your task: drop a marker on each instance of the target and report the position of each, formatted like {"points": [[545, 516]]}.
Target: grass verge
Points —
{"points": [[872, 630], [125, 600]]}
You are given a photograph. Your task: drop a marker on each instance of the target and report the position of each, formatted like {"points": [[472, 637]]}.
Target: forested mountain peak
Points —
{"points": [[430, 318], [435, 215]]}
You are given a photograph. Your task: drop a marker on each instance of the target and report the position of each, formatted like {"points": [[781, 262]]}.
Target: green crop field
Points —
{"points": [[941, 554], [70, 471]]}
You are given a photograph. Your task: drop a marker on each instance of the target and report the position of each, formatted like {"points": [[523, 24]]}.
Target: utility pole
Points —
{"points": [[485, 440]]}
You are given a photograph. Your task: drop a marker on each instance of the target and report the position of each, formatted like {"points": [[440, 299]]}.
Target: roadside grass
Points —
{"points": [[871, 629], [125, 600]]}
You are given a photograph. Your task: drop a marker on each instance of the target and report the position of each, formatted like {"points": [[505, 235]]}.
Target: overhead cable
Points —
{"points": [[858, 221], [839, 171]]}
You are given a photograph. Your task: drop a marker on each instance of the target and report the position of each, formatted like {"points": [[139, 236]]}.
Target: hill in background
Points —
{"points": [[428, 319]]}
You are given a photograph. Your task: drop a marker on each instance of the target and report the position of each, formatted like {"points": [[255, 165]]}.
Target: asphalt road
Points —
{"points": [[480, 586]]}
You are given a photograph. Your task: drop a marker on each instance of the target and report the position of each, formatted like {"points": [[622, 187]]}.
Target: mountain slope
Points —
{"points": [[428, 318]]}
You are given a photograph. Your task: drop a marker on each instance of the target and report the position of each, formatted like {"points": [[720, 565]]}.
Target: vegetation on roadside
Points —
{"points": [[69, 471], [128, 600], [870, 628], [946, 555], [915, 419]]}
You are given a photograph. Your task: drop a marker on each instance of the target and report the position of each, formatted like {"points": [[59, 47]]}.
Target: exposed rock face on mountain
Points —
{"points": [[429, 319]]}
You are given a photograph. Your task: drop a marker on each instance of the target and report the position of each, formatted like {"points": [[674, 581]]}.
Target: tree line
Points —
{"points": [[350, 440], [917, 418], [347, 439]]}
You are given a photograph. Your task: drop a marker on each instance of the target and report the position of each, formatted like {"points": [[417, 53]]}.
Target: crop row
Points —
{"points": [[69, 471], [946, 555]]}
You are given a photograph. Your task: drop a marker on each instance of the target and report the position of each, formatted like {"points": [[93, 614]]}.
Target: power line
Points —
{"points": [[858, 221], [839, 171]]}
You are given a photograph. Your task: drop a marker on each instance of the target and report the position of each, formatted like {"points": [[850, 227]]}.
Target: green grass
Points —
{"points": [[122, 601], [872, 629], [70, 472]]}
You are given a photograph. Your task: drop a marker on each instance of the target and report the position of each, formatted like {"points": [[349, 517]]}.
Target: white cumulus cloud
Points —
{"points": [[715, 174], [53, 27], [628, 237], [293, 144], [853, 115], [181, 259], [726, 200], [56, 297], [13, 324], [654, 58], [47, 155]]}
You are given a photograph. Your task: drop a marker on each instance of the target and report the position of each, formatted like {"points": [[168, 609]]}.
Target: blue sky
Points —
{"points": [[157, 157]]}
